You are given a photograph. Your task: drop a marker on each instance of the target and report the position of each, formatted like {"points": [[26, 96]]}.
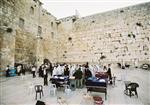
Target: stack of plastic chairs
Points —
{"points": [[53, 89], [67, 89]]}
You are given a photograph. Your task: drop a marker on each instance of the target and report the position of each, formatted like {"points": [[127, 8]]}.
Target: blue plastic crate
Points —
{"points": [[12, 72]]}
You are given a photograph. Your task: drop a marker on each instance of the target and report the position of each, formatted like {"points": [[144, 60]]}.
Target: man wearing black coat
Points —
{"points": [[45, 74], [66, 71], [87, 73], [78, 76], [109, 74]]}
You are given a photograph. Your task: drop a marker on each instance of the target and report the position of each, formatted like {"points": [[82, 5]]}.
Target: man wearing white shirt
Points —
{"points": [[33, 71], [54, 71], [62, 69], [58, 70], [72, 70]]}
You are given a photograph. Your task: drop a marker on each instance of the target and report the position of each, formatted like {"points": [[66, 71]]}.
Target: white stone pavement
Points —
{"points": [[13, 91]]}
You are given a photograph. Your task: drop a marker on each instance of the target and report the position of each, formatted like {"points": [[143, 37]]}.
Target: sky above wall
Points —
{"points": [[64, 8]]}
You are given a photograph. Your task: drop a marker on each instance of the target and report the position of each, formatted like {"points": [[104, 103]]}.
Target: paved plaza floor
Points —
{"points": [[14, 90]]}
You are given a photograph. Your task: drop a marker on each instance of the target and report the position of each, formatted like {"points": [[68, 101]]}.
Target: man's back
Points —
{"points": [[78, 74]]}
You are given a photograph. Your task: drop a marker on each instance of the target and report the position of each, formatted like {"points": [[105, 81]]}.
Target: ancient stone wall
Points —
{"points": [[34, 32], [38, 31], [121, 35], [28, 34], [8, 12], [49, 35]]}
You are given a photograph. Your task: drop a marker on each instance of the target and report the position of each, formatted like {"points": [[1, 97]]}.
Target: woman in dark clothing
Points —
{"points": [[87, 73], [109, 74], [66, 71]]}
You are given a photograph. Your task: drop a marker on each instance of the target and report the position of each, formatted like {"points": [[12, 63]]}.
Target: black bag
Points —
{"points": [[40, 103]]}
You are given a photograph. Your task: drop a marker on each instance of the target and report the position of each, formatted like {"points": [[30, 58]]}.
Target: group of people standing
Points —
{"points": [[80, 72]]}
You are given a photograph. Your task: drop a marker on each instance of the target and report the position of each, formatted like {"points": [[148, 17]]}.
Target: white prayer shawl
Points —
{"points": [[62, 69], [70, 73], [54, 71], [95, 69], [69, 66], [98, 68], [92, 71], [72, 70], [59, 70]]}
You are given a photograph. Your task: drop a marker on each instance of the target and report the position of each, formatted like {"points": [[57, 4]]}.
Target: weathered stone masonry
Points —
{"points": [[30, 39], [28, 34], [122, 34]]}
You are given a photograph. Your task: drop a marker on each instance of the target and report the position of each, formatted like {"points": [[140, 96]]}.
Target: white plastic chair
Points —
{"points": [[67, 90], [30, 87], [53, 89]]}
